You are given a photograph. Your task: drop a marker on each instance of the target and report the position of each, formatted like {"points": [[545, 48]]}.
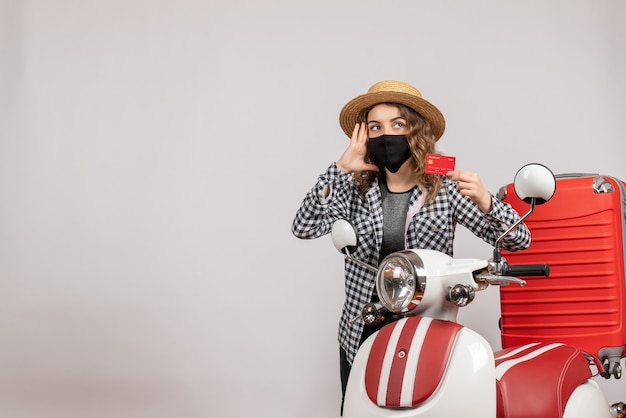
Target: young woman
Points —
{"points": [[380, 185]]}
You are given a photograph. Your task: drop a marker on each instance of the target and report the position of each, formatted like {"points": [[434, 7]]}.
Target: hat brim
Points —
{"points": [[351, 112]]}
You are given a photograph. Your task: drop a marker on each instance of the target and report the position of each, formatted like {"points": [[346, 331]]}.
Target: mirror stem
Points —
{"points": [[496, 251], [361, 263]]}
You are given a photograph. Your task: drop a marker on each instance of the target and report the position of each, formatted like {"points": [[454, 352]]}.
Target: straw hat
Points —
{"points": [[391, 91]]}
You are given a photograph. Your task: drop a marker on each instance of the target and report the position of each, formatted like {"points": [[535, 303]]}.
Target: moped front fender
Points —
{"points": [[388, 386]]}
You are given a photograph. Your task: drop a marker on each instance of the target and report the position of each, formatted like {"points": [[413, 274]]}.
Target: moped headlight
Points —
{"points": [[401, 281]]}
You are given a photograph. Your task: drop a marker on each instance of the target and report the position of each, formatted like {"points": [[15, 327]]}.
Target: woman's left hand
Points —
{"points": [[469, 185]]}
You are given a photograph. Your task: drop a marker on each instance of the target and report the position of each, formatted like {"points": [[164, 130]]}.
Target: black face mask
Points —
{"points": [[390, 151]]}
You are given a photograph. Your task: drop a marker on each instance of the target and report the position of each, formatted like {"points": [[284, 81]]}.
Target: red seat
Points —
{"points": [[536, 380]]}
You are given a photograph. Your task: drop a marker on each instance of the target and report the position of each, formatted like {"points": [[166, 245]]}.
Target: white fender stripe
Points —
{"points": [[410, 371], [503, 367]]}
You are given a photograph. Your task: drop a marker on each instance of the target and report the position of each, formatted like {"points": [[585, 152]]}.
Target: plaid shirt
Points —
{"points": [[430, 226]]}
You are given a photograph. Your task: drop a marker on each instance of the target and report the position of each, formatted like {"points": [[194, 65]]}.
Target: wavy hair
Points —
{"points": [[421, 142]]}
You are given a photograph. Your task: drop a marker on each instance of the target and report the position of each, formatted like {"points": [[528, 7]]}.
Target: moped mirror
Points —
{"points": [[346, 240], [344, 236], [534, 182]]}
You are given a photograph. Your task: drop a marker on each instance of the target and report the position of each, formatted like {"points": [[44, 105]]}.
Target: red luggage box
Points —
{"points": [[580, 233]]}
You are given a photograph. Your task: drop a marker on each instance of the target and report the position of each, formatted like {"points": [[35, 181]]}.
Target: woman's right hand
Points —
{"points": [[353, 158]]}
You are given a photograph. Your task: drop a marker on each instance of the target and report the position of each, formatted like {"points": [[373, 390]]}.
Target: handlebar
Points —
{"points": [[527, 270]]}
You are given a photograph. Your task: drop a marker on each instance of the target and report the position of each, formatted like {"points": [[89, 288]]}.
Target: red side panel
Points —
{"points": [[580, 234]]}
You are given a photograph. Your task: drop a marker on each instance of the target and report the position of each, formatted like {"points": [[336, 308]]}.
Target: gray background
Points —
{"points": [[153, 155]]}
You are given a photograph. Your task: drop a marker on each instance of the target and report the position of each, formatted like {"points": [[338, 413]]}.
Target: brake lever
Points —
{"points": [[501, 280]]}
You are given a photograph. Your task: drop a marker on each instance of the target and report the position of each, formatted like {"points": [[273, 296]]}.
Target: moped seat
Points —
{"points": [[537, 379]]}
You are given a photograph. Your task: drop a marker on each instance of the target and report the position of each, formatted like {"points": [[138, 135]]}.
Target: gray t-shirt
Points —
{"points": [[395, 207]]}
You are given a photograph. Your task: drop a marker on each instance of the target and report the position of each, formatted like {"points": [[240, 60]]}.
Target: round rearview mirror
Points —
{"points": [[344, 236], [535, 181]]}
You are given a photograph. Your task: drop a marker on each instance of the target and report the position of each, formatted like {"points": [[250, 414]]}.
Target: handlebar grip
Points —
{"points": [[528, 270]]}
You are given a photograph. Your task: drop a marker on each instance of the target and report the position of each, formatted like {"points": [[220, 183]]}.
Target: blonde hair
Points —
{"points": [[421, 142]]}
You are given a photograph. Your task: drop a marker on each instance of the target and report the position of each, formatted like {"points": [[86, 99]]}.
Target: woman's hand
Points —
{"points": [[353, 158], [469, 185]]}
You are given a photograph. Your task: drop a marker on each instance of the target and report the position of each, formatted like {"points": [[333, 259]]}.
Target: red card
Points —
{"points": [[439, 164]]}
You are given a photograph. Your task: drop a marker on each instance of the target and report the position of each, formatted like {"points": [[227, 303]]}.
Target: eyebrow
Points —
{"points": [[392, 120]]}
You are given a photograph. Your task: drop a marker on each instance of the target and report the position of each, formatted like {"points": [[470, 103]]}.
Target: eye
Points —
{"points": [[374, 128], [399, 124]]}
